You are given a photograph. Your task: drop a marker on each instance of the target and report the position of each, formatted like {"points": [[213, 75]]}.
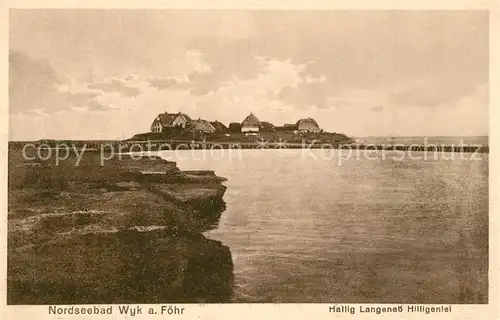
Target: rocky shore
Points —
{"points": [[127, 231]]}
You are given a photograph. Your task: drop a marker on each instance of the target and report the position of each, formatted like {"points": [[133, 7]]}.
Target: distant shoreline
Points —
{"points": [[173, 145]]}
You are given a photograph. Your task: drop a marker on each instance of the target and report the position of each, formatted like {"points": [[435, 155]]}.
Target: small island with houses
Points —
{"points": [[181, 127], [177, 130]]}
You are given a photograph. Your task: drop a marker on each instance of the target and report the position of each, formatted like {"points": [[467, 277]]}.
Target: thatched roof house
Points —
{"points": [[202, 126], [219, 127], [308, 125], [170, 120], [266, 126], [250, 124]]}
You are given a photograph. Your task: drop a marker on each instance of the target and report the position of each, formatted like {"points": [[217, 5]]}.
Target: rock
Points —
{"points": [[125, 232], [120, 267], [199, 197], [91, 169]]}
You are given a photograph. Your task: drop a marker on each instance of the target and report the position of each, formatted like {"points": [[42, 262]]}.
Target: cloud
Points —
{"points": [[96, 105], [230, 100], [116, 85], [355, 71], [305, 95], [36, 87], [271, 78], [79, 99], [33, 84], [229, 59], [169, 83]]}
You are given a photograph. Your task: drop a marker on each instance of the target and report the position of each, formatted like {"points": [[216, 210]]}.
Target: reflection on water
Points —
{"points": [[302, 229]]}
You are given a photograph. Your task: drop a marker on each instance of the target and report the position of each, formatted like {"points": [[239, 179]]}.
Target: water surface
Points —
{"points": [[302, 228]]}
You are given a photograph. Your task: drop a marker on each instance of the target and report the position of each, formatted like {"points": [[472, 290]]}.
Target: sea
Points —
{"points": [[304, 227], [424, 140]]}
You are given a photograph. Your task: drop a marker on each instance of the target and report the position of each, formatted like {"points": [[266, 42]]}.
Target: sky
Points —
{"points": [[106, 74]]}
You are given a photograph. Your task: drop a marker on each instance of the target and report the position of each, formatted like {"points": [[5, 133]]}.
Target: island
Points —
{"points": [[178, 128], [177, 131]]}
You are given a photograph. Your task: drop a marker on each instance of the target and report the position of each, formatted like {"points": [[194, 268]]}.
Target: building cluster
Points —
{"points": [[166, 122]]}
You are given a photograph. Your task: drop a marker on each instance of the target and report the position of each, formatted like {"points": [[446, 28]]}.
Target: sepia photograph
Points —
{"points": [[248, 156]]}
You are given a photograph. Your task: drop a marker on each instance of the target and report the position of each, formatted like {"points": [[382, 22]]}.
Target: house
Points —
{"points": [[266, 126], [219, 127], [235, 127], [202, 126], [250, 124], [307, 125], [170, 120]]}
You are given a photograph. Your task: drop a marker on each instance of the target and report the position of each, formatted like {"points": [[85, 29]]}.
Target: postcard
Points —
{"points": [[224, 159]]}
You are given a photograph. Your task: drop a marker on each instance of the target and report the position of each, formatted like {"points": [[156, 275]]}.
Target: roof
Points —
{"points": [[250, 121], [202, 125], [167, 119], [267, 125], [185, 116], [307, 122], [218, 125]]}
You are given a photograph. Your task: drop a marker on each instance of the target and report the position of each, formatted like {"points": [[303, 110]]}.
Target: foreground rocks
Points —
{"points": [[128, 231]]}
